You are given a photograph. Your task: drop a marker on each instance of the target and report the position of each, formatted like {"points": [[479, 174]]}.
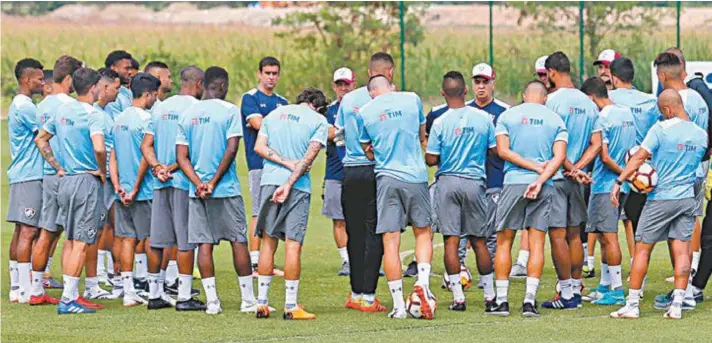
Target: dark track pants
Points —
{"points": [[705, 268]]}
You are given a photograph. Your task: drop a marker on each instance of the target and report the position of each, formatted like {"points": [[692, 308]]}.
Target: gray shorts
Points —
{"points": [[109, 195], [666, 219], [568, 204], [515, 212], [332, 207], [80, 207], [401, 203], [50, 189], [461, 206], [284, 221], [492, 200], [134, 221], [169, 219], [255, 176], [700, 184], [216, 219], [25, 203], [602, 215]]}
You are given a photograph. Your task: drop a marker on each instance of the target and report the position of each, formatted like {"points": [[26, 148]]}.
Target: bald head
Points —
{"points": [[535, 92], [378, 85], [670, 104], [192, 81]]}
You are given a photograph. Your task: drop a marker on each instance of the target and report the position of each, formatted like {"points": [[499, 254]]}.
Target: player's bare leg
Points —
{"points": [[341, 239]]}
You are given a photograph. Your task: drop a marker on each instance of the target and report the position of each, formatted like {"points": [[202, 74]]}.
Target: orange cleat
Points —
{"points": [[372, 308], [44, 299], [262, 311], [298, 313], [88, 304], [425, 310], [352, 304]]}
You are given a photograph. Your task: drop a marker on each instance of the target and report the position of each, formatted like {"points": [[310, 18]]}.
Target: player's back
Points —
{"points": [[256, 103], [579, 114], [27, 162], [618, 131], [392, 124], [695, 107], [73, 124], [349, 119], [642, 105], [129, 129], [45, 110], [532, 130]]}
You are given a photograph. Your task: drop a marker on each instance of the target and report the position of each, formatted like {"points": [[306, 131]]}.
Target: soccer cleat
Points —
{"points": [[674, 312], [132, 299], [88, 304], [213, 307], [398, 313], [297, 313], [530, 310], [500, 310], [352, 304], [578, 299], [43, 299], [426, 311], [246, 307], [616, 297], [559, 303], [263, 311], [588, 273], [102, 277], [14, 295], [23, 298], [627, 312], [109, 280], [457, 306], [97, 293], [167, 298], [381, 272], [598, 293], [376, 306], [140, 285], [699, 297], [51, 283], [663, 301], [73, 308], [490, 304], [518, 271], [345, 269], [172, 289], [411, 270], [117, 292], [157, 304], [190, 305]]}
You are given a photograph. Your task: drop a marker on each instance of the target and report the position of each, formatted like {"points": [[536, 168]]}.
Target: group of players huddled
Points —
{"points": [[149, 183]]}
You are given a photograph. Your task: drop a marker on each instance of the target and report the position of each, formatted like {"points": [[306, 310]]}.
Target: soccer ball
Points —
{"points": [[644, 179], [465, 280], [412, 304], [631, 152]]}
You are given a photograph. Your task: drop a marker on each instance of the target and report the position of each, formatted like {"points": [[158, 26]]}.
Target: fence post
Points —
{"points": [[581, 57], [678, 4], [402, 43], [491, 35]]}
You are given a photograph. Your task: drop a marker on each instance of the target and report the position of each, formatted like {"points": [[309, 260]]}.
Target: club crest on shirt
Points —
{"points": [[30, 212]]}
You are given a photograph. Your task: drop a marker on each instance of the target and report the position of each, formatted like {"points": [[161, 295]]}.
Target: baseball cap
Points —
{"points": [[344, 74], [606, 57], [540, 64], [483, 70]]}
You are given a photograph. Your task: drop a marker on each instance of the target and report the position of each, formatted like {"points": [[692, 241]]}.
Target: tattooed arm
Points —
{"points": [[270, 154], [300, 168], [42, 142]]}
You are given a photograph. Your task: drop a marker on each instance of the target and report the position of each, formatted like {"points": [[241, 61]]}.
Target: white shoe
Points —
{"points": [[247, 307], [132, 299], [518, 271], [14, 295], [116, 292], [595, 295], [143, 294], [627, 312], [398, 314], [689, 304], [167, 298], [214, 307], [673, 312], [23, 297], [97, 293]]}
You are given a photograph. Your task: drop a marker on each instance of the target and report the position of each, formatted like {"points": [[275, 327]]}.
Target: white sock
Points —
{"points": [[369, 298], [532, 287], [688, 290], [591, 261], [678, 296], [185, 283], [263, 283], [696, 290], [37, 287], [71, 286], [523, 257], [141, 266], [605, 275], [153, 292], [396, 288], [109, 263], [117, 281], [456, 287], [291, 290], [23, 272], [567, 292], [127, 280], [616, 276], [423, 275], [254, 257], [161, 281], [502, 289], [14, 282], [344, 255], [48, 268], [246, 289], [100, 266], [356, 296], [695, 259], [90, 283], [634, 297], [488, 286], [172, 272], [211, 293], [576, 284]]}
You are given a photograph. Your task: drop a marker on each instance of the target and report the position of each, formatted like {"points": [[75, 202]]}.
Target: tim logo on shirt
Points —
{"points": [[686, 147], [289, 117], [200, 121], [576, 110], [388, 115], [66, 122], [464, 131], [532, 121], [170, 116]]}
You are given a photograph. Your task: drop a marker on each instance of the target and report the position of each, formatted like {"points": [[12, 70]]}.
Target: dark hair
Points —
{"points": [[214, 78], [383, 57], [269, 61], [370, 80], [116, 56], [558, 61], [26, 63], [134, 64], [596, 87], [65, 66], [623, 69], [83, 79], [142, 83], [108, 74], [667, 59], [453, 84], [48, 76], [315, 97], [154, 64]]}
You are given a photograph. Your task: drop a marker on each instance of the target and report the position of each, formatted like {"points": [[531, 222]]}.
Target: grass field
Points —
{"points": [[324, 293]]}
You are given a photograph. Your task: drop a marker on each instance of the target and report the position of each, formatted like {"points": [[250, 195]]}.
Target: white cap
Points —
{"points": [[606, 57], [483, 70], [540, 64], [344, 74]]}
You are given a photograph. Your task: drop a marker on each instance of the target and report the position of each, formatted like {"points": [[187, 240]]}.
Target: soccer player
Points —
{"points": [[365, 247], [161, 71], [603, 65], [48, 83], [206, 145], [132, 184], [25, 176], [618, 133], [120, 62], [541, 74], [289, 140], [676, 146], [392, 135], [79, 129], [169, 216], [257, 103], [568, 206], [343, 83], [64, 67], [458, 144], [530, 163]]}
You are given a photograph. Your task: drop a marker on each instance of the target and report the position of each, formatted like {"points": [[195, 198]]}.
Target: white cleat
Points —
{"points": [[23, 297], [247, 307], [673, 312], [98, 293], [132, 299], [595, 295], [627, 312], [116, 293], [14, 295], [518, 271], [214, 307], [167, 298], [398, 314]]}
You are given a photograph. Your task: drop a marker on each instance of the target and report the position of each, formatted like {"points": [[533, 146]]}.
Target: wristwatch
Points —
{"points": [[619, 182]]}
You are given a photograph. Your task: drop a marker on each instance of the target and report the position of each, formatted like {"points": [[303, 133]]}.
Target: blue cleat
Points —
{"points": [[72, 308], [559, 303], [616, 297]]}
